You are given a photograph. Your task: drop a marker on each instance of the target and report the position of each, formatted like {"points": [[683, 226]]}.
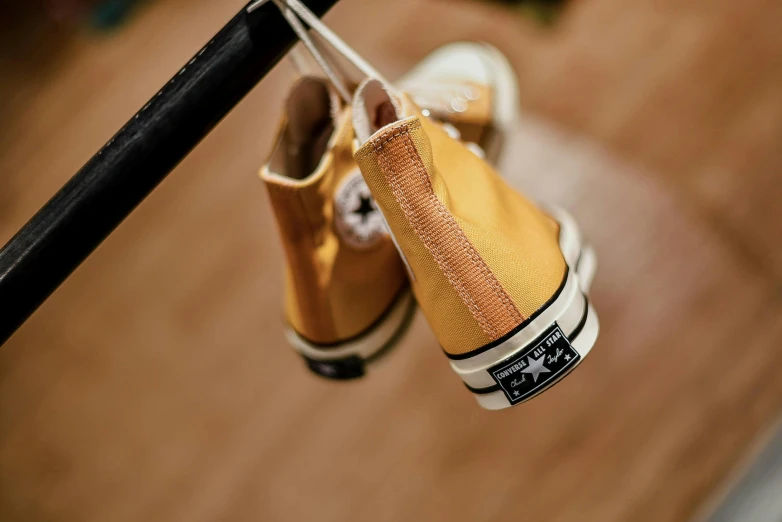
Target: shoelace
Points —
{"points": [[437, 100], [295, 12], [441, 98]]}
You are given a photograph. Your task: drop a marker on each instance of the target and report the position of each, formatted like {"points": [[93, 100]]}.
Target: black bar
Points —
{"points": [[107, 189]]}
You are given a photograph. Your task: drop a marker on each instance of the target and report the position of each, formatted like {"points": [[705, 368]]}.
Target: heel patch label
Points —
{"points": [[532, 369]]}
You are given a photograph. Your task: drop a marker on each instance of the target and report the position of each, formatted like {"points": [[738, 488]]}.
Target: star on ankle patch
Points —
{"points": [[356, 216]]}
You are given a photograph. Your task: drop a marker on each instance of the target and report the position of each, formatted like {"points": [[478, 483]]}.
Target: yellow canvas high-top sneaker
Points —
{"points": [[347, 296], [495, 276]]}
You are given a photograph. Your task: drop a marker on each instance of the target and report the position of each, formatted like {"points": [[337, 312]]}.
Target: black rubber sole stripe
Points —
{"points": [[354, 366], [581, 323], [571, 338], [497, 342]]}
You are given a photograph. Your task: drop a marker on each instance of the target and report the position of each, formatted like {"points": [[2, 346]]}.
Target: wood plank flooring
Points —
{"points": [[155, 384]]}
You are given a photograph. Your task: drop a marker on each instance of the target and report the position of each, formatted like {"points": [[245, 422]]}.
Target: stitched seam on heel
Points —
{"points": [[494, 310]]}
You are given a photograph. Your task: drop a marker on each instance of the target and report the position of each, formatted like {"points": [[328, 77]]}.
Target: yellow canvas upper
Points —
{"points": [[334, 291], [491, 258], [474, 117]]}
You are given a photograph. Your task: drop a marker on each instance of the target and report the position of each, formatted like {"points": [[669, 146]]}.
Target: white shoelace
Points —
{"points": [[292, 10], [441, 98]]}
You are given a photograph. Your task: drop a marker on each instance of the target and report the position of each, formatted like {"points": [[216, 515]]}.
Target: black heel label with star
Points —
{"points": [[532, 369]]}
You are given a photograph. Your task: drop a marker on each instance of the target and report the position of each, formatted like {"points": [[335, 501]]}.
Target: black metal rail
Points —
{"points": [[107, 189]]}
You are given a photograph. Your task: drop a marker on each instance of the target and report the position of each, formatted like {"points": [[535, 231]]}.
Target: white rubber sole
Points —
{"points": [[569, 310], [349, 359]]}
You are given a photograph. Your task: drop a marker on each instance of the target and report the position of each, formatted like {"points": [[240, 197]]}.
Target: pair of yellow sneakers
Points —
{"points": [[393, 201]]}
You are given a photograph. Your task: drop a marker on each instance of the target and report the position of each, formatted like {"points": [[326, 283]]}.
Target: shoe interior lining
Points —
{"points": [[374, 107], [306, 135]]}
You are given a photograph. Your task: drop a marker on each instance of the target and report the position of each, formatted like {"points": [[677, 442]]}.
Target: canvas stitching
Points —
{"points": [[431, 245], [489, 327], [438, 207], [467, 247]]}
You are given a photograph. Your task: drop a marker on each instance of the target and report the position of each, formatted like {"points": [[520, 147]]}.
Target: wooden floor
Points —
{"points": [[155, 384]]}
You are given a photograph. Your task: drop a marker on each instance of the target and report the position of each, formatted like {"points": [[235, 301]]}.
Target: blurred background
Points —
{"points": [[156, 383]]}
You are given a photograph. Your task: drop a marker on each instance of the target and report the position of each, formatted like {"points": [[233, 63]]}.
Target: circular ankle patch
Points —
{"points": [[358, 220]]}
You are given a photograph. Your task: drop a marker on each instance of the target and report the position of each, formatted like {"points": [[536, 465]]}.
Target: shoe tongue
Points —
{"points": [[374, 107], [312, 108]]}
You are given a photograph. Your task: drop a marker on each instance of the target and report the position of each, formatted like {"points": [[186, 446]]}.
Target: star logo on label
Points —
{"points": [[516, 393], [536, 367], [567, 357]]}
